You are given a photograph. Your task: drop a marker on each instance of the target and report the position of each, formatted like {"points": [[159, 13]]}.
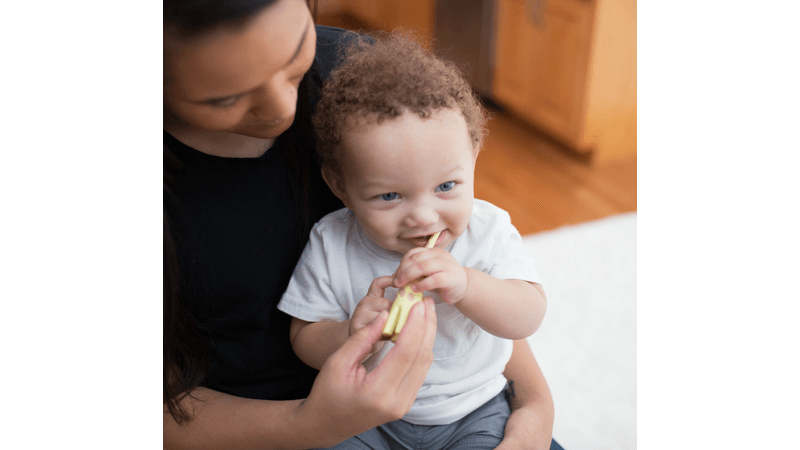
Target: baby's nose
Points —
{"points": [[421, 217]]}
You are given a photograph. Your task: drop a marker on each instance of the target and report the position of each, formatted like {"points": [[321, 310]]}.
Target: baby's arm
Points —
{"points": [[511, 309], [314, 342]]}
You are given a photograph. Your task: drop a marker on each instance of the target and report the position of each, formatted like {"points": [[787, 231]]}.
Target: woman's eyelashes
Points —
{"points": [[227, 102], [224, 102]]}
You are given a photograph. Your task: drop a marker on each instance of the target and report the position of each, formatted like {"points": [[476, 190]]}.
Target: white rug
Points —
{"points": [[586, 345]]}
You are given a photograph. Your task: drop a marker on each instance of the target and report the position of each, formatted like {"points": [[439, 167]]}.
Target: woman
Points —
{"points": [[242, 190]]}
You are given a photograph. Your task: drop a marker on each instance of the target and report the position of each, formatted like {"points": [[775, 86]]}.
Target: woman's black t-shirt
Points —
{"points": [[236, 227]]}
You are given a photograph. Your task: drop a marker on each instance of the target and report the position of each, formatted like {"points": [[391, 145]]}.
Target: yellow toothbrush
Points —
{"points": [[406, 298]]}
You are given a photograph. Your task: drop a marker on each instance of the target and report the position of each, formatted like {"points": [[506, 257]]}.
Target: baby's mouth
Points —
{"points": [[422, 241]]}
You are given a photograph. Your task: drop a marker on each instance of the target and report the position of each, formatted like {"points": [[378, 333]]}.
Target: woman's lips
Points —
{"points": [[275, 122]]}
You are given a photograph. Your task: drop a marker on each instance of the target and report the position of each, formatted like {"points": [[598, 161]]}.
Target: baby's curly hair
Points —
{"points": [[380, 78]]}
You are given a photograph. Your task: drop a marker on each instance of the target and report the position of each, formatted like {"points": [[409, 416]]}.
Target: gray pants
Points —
{"points": [[481, 429]]}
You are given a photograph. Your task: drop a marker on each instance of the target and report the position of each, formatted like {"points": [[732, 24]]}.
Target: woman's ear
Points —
{"points": [[334, 181]]}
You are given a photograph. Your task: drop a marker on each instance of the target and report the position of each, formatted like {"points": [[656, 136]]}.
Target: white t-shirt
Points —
{"points": [[339, 264]]}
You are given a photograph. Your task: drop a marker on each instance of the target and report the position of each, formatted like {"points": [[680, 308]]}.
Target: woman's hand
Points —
{"points": [[346, 400], [530, 425], [370, 307]]}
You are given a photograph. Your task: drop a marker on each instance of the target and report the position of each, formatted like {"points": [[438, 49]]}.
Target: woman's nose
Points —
{"points": [[276, 102]]}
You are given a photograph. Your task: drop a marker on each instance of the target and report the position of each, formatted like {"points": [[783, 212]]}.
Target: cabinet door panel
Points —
{"points": [[371, 12], [541, 70], [411, 15], [513, 61], [558, 76]]}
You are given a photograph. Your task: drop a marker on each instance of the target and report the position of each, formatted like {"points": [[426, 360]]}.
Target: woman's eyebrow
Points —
{"points": [[291, 60], [300, 45]]}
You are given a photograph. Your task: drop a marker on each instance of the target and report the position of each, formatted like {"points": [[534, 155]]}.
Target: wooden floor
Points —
{"points": [[535, 179], [542, 186]]}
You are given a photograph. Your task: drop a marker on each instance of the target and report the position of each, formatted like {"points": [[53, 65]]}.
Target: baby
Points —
{"points": [[399, 133]]}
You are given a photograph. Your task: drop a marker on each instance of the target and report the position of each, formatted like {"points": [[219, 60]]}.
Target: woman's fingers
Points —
{"points": [[387, 392], [353, 351], [342, 390], [405, 366], [427, 328]]}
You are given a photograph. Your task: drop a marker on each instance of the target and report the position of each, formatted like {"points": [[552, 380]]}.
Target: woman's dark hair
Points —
{"points": [[193, 17], [185, 355], [186, 359]]}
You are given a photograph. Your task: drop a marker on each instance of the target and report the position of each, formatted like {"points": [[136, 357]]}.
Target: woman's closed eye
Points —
{"points": [[444, 187], [389, 197], [224, 102]]}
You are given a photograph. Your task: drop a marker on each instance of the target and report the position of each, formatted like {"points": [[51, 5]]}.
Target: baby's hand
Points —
{"points": [[371, 306], [433, 269]]}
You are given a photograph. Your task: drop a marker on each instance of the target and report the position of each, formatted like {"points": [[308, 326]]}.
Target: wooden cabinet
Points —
{"points": [[413, 15], [569, 68], [566, 66]]}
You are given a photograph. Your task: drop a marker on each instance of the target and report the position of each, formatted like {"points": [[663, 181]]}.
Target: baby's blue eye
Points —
{"points": [[389, 197], [444, 187]]}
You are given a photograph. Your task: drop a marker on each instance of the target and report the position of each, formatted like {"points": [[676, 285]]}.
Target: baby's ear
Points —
{"points": [[334, 181]]}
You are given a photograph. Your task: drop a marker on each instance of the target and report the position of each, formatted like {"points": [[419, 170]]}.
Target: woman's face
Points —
{"points": [[242, 80]]}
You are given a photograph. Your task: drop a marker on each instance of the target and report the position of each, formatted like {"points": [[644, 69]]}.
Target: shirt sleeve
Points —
{"points": [[309, 295], [509, 260]]}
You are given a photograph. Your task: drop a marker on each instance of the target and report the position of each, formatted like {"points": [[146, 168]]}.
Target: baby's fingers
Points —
{"points": [[434, 281], [409, 271], [373, 304], [366, 311], [378, 286]]}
